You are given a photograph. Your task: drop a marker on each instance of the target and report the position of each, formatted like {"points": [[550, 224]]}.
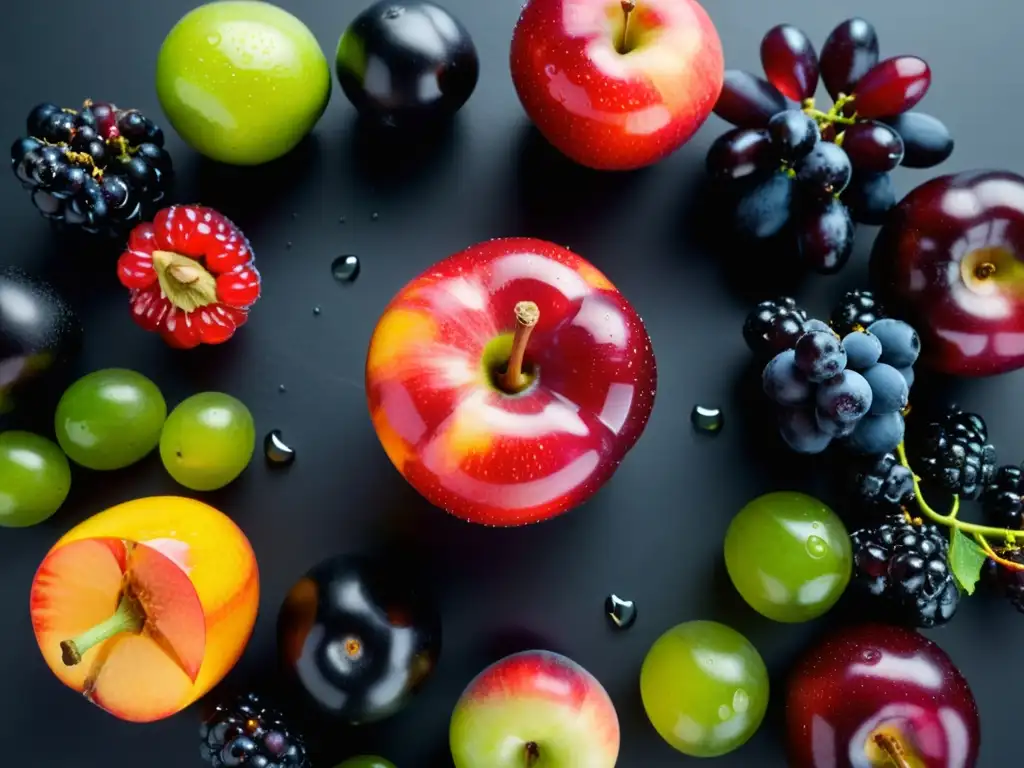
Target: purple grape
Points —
{"points": [[825, 170], [799, 429], [877, 434], [763, 211], [870, 197], [739, 153], [908, 374], [873, 147], [747, 101], [820, 356], [825, 237], [783, 382], [845, 397], [901, 346], [891, 391], [833, 427], [790, 62], [793, 134], [850, 51], [862, 350], [926, 139]]}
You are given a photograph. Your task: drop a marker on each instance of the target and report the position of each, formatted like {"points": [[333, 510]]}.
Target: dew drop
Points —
{"points": [[213, 39], [622, 613], [282, 388], [816, 547], [316, 310], [288, 245], [724, 713], [345, 268], [870, 656], [706, 419], [740, 701], [394, 12], [374, 216], [341, 219], [277, 451]]}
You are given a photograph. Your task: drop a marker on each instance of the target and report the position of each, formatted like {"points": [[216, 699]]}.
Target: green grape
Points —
{"points": [[705, 688], [110, 419], [207, 441], [788, 556], [366, 761], [35, 479]]}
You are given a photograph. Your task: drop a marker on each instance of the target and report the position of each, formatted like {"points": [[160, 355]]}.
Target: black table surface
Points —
{"points": [[653, 534]]}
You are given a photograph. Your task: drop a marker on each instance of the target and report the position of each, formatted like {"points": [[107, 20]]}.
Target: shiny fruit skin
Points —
{"points": [[872, 147], [789, 556], [471, 449], [39, 332], [849, 53], [722, 707], [892, 86], [740, 153], [35, 479], [366, 761], [790, 61], [870, 675], [208, 440], [825, 237], [603, 109], [110, 419], [357, 639], [748, 101], [407, 62], [241, 81], [946, 230], [926, 139]]}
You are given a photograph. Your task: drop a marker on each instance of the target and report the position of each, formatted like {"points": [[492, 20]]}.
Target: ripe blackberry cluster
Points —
{"points": [[882, 485], [1003, 498], [954, 453], [248, 733], [795, 174], [855, 312], [904, 565], [100, 168], [773, 326]]}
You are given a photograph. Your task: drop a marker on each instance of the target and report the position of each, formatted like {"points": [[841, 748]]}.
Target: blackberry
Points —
{"points": [[1003, 498], [904, 566], [773, 326], [1008, 580], [247, 732], [883, 485], [856, 311], [954, 453], [100, 168]]}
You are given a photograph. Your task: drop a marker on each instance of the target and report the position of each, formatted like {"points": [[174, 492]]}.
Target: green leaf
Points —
{"points": [[966, 559]]}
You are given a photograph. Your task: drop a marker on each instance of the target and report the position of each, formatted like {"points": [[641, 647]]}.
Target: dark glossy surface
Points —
{"points": [[849, 52], [892, 86], [357, 639], [790, 61], [407, 61], [876, 680], [653, 534]]}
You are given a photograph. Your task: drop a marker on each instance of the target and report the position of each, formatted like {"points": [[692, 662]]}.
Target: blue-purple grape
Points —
{"points": [[793, 134], [862, 350], [764, 211], [873, 147], [799, 430], [748, 101], [783, 382], [850, 51], [739, 153], [901, 346], [870, 197], [817, 325], [877, 434], [825, 170], [891, 392], [790, 61], [845, 397], [908, 374], [825, 237], [819, 355], [926, 139], [832, 427]]}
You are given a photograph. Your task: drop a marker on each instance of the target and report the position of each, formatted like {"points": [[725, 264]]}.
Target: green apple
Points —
{"points": [[242, 81], [366, 761]]}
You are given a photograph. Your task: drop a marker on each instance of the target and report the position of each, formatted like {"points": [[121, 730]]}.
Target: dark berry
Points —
{"points": [[954, 453], [83, 136], [115, 191], [24, 156], [58, 128], [132, 125], [1010, 580], [773, 326], [855, 311], [105, 116], [820, 355], [48, 168], [882, 485], [39, 117], [1003, 498], [247, 732], [155, 155], [904, 566]]}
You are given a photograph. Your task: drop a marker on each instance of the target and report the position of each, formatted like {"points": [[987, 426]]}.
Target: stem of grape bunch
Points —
{"points": [[834, 116], [979, 533]]}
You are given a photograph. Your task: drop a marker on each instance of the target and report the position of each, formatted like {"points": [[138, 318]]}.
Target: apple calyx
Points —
{"points": [[185, 282], [513, 380], [129, 617], [623, 47], [531, 750]]}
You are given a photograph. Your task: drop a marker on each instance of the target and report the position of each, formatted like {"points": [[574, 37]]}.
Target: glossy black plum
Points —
{"points": [[358, 637], [38, 332], [407, 62]]}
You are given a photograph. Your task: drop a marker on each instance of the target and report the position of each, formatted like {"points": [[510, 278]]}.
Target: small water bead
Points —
{"points": [[316, 310], [345, 268], [276, 450], [621, 612], [288, 245], [706, 419], [282, 388], [374, 216]]}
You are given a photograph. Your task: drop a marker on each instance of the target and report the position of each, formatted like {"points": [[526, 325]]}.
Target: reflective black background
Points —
{"points": [[654, 534]]}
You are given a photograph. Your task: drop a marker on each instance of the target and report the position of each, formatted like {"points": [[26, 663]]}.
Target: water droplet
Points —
{"points": [[394, 12], [316, 310], [341, 219], [213, 39], [345, 268], [295, 215], [706, 419], [871, 656], [288, 245], [277, 451], [816, 547], [740, 701], [621, 612], [724, 713], [282, 388], [374, 216]]}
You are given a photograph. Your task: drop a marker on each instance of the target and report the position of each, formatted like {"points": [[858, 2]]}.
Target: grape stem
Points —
{"points": [[980, 533], [834, 116]]}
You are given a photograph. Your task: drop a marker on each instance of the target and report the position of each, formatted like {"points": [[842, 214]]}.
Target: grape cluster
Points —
{"points": [[796, 172], [853, 388], [905, 565], [101, 168]]}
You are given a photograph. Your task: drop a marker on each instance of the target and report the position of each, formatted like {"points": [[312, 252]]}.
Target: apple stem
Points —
{"points": [[532, 753], [129, 617], [527, 315], [892, 749], [628, 6]]}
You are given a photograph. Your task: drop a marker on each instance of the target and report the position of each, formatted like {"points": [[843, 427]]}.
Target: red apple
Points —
{"points": [[950, 258], [880, 696], [617, 84], [507, 382], [535, 708]]}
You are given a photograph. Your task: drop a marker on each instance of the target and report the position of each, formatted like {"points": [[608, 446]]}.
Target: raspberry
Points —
{"points": [[191, 276]]}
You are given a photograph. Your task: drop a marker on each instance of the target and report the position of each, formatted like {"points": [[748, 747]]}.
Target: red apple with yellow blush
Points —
{"points": [[507, 382], [617, 84], [145, 607]]}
